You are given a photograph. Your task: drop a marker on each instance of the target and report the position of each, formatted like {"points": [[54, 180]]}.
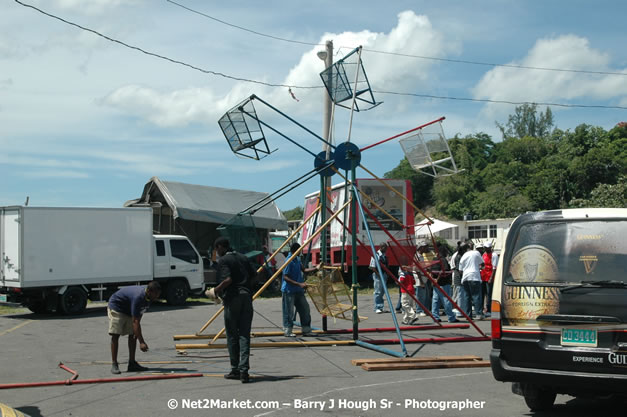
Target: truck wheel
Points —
{"points": [[176, 292], [37, 306], [73, 301], [539, 399]]}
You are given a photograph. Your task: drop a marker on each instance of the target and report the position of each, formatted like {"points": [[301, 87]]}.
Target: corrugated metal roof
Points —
{"points": [[214, 204]]}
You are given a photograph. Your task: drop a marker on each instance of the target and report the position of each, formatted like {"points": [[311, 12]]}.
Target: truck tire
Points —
{"points": [[73, 301], [37, 306], [539, 399], [176, 292]]}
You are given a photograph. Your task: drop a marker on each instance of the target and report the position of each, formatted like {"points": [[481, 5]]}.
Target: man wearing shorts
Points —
{"points": [[126, 308]]}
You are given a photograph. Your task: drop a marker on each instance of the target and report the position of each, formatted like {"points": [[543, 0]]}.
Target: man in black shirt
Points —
{"points": [[235, 275]]}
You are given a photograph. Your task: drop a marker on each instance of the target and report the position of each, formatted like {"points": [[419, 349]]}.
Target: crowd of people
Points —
{"points": [[465, 277]]}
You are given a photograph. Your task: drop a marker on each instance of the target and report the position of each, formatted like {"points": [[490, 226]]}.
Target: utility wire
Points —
{"points": [[501, 101], [304, 87], [457, 61], [161, 56]]}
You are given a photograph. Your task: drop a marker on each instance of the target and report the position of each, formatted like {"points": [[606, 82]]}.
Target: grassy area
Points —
{"points": [[10, 309]]}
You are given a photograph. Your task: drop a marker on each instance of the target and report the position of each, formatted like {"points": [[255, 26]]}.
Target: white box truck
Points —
{"points": [[56, 258]]}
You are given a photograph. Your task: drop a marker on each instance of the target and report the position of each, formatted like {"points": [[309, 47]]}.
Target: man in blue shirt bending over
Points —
{"points": [[125, 310]]}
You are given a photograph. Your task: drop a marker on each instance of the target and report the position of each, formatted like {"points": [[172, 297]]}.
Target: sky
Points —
{"points": [[85, 121]]}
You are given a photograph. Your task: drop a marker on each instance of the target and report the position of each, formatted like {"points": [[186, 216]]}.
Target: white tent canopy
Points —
{"points": [[422, 229]]}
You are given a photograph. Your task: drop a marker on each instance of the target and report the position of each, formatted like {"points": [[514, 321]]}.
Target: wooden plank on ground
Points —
{"points": [[358, 362], [426, 365]]}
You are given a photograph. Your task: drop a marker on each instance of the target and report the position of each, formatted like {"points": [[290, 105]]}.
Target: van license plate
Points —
{"points": [[3, 298], [579, 337]]}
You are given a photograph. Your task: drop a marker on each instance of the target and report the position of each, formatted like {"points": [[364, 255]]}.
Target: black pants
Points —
{"points": [[238, 318]]}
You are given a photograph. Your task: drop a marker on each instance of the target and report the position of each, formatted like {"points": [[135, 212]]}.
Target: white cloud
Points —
{"points": [[413, 34], [176, 108], [569, 52]]}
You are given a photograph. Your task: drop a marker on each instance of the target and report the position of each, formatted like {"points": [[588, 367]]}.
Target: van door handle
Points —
{"points": [[172, 266]]}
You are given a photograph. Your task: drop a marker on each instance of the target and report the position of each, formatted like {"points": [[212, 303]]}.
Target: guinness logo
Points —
{"points": [[589, 262], [533, 263], [531, 271]]}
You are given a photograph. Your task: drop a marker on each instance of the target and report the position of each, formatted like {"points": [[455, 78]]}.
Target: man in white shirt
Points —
{"points": [[470, 266]]}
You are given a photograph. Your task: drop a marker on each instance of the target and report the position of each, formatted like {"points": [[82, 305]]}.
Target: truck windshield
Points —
{"points": [[569, 252]]}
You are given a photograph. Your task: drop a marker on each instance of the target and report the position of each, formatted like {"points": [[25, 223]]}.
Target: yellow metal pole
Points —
{"points": [[271, 344]]}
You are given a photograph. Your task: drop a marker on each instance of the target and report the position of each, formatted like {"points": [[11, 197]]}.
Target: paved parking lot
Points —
{"points": [[312, 381]]}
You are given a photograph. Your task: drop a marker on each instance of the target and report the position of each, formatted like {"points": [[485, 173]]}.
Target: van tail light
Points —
{"points": [[495, 316]]}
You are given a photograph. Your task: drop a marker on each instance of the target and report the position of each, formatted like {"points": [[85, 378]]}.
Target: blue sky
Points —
{"points": [[87, 122]]}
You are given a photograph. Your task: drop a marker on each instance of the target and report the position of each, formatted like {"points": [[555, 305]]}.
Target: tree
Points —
{"points": [[421, 184], [294, 214], [605, 195], [526, 122]]}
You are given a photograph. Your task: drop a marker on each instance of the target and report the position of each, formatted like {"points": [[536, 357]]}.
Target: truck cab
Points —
{"points": [[178, 266]]}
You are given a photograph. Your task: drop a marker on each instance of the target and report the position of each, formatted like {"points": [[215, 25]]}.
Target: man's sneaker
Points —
{"points": [[289, 333], [232, 375], [115, 369], [309, 334], [135, 367], [378, 311], [244, 378], [415, 320], [421, 314], [405, 322]]}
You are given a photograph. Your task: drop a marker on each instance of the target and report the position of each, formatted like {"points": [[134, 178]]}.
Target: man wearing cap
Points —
{"points": [[486, 276]]}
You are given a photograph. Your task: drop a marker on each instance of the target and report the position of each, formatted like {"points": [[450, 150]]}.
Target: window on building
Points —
{"points": [[478, 232], [493, 231], [446, 234]]}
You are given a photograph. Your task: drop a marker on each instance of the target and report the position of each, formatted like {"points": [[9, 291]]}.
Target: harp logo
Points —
{"points": [[589, 262], [531, 271]]}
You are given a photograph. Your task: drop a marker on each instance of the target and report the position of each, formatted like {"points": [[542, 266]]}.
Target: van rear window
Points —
{"points": [[568, 251]]}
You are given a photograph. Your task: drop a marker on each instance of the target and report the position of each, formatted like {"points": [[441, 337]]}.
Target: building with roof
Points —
{"points": [[197, 211]]}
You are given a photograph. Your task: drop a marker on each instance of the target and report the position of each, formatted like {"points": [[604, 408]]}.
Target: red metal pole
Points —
{"points": [[401, 134], [74, 373]]}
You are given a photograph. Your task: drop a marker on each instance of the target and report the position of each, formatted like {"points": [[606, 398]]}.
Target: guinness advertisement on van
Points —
{"points": [[560, 297]]}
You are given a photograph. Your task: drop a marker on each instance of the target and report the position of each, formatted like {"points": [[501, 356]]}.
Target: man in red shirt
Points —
{"points": [[486, 276]]}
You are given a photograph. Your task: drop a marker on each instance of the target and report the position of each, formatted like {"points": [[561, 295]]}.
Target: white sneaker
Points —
{"points": [[378, 311], [422, 315]]}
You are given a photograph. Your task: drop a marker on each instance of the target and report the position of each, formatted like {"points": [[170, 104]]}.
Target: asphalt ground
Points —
{"points": [[308, 381]]}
